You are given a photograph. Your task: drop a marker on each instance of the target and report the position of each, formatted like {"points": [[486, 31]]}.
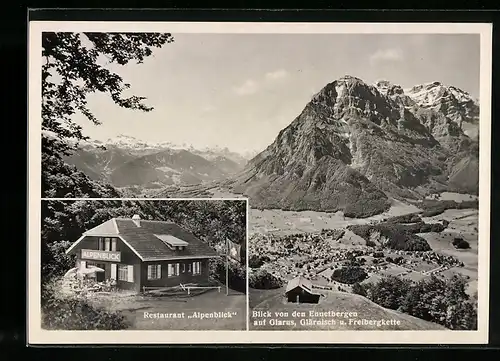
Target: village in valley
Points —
{"points": [[316, 255], [291, 253]]}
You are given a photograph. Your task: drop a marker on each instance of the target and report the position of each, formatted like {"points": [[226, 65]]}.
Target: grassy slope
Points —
{"points": [[339, 301]]}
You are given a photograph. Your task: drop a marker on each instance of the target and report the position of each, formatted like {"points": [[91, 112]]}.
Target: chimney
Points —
{"points": [[137, 220]]}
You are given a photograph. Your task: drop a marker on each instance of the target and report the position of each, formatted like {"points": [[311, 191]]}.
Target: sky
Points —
{"points": [[239, 90]]}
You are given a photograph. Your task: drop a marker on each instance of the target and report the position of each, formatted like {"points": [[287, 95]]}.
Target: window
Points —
{"points": [[183, 267], [196, 268], [173, 269], [106, 244], [95, 264], [113, 271], [122, 272], [126, 273], [154, 271]]}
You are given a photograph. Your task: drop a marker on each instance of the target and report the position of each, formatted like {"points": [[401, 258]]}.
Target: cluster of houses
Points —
{"points": [[441, 259], [310, 254], [298, 254], [429, 256]]}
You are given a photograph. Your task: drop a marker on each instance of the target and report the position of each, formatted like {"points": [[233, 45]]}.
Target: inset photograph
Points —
{"points": [[144, 264]]}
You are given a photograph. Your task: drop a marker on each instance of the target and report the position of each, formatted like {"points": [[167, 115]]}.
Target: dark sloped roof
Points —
{"points": [[150, 247], [143, 239], [301, 282]]}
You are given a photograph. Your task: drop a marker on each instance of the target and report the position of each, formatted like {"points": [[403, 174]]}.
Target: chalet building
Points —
{"points": [[300, 290], [140, 253]]}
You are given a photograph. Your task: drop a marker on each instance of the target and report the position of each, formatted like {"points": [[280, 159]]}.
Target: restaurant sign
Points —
{"points": [[111, 256]]}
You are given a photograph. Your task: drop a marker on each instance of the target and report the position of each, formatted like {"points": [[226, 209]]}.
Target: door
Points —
{"points": [[100, 276]]}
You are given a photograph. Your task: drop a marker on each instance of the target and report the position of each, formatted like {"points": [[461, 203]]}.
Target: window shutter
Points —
{"points": [[130, 273], [113, 271], [177, 266], [113, 244], [158, 271], [150, 271]]}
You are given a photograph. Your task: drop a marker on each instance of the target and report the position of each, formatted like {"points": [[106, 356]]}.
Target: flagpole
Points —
{"points": [[227, 268]]}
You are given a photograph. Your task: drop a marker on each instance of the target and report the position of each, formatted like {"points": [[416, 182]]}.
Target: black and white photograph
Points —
{"points": [[141, 265], [317, 177]]}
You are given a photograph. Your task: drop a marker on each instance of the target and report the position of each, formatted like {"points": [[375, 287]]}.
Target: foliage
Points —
{"points": [[441, 301], [73, 68], [434, 207], [369, 207], [262, 279], [236, 272], [358, 289], [422, 227], [349, 274], [389, 292], [395, 236], [398, 260], [405, 218], [256, 261], [75, 312], [57, 261], [460, 243]]}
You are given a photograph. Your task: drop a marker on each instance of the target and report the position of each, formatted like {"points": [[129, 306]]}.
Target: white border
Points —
{"points": [[38, 336]]}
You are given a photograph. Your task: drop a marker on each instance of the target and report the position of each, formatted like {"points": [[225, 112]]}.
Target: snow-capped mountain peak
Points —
{"points": [[453, 102], [130, 142], [429, 93]]}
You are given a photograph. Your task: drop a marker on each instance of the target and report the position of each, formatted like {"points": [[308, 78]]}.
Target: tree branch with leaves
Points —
{"points": [[72, 69]]}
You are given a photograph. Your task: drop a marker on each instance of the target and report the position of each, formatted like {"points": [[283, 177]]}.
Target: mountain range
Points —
{"points": [[125, 161], [354, 145]]}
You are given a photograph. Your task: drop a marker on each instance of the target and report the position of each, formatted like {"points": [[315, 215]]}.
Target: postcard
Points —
{"points": [[272, 183]]}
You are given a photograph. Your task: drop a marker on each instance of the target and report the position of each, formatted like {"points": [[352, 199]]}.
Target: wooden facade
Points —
{"points": [[133, 271]]}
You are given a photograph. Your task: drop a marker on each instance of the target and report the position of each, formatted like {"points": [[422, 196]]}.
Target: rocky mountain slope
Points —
{"points": [[128, 162], [355, 144]]}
